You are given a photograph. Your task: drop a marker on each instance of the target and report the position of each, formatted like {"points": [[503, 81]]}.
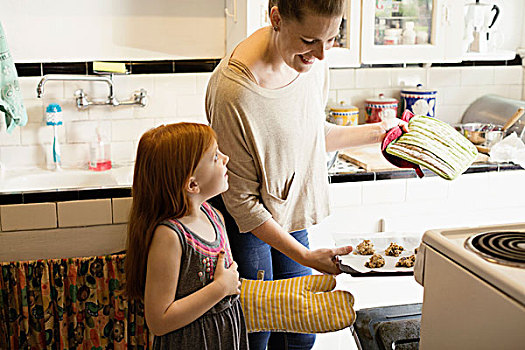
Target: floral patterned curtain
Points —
{"points": [[75, 303]]}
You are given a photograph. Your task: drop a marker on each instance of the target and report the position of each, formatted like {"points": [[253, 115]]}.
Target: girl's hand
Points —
{"points": [[227, 277], [325, 260]]}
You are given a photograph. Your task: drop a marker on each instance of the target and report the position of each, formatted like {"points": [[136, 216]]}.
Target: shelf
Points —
{"points": [[499, 55], [405, 17]]}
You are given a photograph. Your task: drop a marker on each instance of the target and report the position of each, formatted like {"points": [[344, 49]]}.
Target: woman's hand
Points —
{"points": [[324, 260], [227, 277], [389, 123]]}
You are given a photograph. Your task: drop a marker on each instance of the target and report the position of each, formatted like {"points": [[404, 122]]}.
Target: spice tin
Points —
{"points": [[343, 114], [378, 108], [419, 101]]}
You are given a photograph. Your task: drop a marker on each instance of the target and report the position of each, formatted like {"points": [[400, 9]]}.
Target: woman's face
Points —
{"points": [[301, 43]]}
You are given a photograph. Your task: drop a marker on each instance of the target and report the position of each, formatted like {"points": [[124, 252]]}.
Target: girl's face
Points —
{"points": [[301, 43], [211, 172]]}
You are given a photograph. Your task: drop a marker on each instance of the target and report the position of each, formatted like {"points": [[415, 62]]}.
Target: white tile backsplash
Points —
{"points": [[23, 156], [355, 97], [28, 87], [124, 130], [373, 78], [508, 75], [70, 111], [125, 86], [35, 110], [476, 76], [348, 193], [123, 152], [385, 191], [409, 77], [169, 85], [180, 97], [449, 113], [85, 131], [470, 190], [36, 134], [459, 95], [427, 189], [440, 77], [190, 105], [74, 155], [202, 82], [12, 139], [516, 92], [342, 79]]}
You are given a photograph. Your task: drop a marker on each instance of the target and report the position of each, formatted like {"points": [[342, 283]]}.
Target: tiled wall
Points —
{"points": [[180, 97], [457, 86], [63, 229], [52, 215]]}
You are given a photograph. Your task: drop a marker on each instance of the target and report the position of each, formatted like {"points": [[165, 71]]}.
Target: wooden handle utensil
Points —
{"points": [[514, 118]]}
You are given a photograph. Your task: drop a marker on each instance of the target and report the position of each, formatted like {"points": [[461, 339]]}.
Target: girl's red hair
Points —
{"points": [[166, 158]]}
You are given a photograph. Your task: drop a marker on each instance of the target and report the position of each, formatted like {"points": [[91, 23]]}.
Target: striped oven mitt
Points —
{"points": [[430, 143], [300, 305]]}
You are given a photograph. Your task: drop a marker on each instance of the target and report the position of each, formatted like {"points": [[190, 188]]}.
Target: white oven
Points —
{"points": [[474, 288]]}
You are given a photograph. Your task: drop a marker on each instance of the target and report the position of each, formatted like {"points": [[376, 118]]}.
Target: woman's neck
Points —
{"points": [[260, 53]]}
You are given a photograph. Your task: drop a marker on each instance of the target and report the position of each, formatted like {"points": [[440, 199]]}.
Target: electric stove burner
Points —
{"points": [[503, 247]]}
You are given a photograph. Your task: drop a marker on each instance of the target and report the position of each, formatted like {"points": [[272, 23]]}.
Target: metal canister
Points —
{"points": [[419, 100], [343, 114], [378, 108]]}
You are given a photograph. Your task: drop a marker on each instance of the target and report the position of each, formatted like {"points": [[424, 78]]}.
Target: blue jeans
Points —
{"points": [[252, 255]]}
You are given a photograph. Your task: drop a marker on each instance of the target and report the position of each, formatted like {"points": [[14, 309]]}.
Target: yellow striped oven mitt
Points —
{"points": [[301, 305]]}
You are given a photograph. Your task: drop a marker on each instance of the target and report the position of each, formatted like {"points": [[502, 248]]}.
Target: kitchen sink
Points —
{"points": [[39, 179]]}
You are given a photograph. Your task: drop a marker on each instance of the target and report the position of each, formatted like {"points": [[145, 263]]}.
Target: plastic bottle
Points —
{"points": [[54, 118], [380, 31], [409, 34], [100, 153]]}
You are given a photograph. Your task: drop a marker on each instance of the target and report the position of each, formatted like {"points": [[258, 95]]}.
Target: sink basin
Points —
{"points": [[39, 180]]}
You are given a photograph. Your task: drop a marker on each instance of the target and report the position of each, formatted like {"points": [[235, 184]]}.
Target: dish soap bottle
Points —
{"points": [[100, 153]]}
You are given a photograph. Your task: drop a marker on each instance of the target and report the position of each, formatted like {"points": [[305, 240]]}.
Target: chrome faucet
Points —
{"points": [[138, 98]]}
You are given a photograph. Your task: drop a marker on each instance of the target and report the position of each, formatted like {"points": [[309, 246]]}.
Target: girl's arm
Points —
{"points": [[165, 314]]}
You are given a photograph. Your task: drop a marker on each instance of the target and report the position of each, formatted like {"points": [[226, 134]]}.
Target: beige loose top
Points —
{"points": [[275, 139]]}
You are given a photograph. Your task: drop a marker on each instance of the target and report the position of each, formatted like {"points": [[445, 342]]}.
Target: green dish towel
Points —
{"points": [[10, 97]]}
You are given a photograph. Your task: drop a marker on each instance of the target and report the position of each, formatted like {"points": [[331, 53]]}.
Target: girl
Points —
{"points": [[178, 256]]}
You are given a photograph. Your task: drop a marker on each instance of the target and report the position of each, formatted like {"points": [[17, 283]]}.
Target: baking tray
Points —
{"points": [[354, 263]]}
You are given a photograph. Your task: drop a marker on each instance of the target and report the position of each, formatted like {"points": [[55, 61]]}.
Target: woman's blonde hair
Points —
{"points": [[295, 9], [166, 158]]}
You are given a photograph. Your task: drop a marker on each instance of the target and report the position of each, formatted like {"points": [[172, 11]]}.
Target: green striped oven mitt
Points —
{"points": [[10, 97], [430, 143]]}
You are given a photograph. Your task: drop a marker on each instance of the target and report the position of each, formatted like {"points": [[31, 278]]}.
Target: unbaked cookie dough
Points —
{"points": [[375, 261], [407, 261], [366, 247], [394, 249]]}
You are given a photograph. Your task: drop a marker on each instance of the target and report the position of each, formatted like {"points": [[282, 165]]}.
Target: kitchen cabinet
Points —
{"points": [[120, 30], [411, 31], [372, 31], [243, 17]]}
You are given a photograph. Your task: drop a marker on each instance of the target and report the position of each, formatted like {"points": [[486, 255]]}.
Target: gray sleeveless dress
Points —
{"points": [[223, 326]]}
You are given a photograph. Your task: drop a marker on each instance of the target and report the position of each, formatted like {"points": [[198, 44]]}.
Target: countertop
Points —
{"points": [[39, 185]]}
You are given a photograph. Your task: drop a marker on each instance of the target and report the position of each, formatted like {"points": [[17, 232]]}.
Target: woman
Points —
{"points": [[266, 103]]}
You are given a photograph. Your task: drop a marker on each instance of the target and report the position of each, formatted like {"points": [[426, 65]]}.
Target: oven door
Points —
{"points": [[388, 327], [462, 311]]}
